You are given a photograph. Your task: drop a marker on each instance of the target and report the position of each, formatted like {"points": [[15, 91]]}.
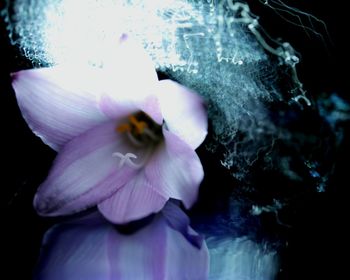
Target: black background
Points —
{"points": [[318, 237]]}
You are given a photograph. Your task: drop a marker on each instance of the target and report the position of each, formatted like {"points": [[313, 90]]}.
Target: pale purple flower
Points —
{"points": [[126, 141], [90, 248]]}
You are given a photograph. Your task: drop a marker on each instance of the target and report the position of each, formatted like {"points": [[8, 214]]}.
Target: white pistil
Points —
{"points": [[126, 159]]}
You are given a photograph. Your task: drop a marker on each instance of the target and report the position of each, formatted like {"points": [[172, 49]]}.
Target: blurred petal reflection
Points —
{"points": [[90, 248]]}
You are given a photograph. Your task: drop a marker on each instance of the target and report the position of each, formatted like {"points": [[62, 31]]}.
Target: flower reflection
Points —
{"points": [[90, 248], [125, 144]]}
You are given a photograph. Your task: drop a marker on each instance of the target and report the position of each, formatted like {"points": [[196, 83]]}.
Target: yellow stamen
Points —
{"points": [[139, 125], [134, 126], [125, 127]]}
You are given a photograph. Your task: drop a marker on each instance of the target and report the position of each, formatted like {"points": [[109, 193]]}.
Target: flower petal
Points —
{"points": [[121, 106], [58, 103], [93, 249], [62, 102], [136, 200], [175, 170], [183, 111], [159, 252], [77, 250], [131, 80], [179, 221], [85, 172]]}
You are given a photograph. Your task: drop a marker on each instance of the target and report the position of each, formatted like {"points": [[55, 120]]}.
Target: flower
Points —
{"points": [[126, 141], [91, 248]]}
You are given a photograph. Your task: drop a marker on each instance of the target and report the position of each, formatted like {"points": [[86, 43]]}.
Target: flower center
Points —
{"points": [[141, 129]]}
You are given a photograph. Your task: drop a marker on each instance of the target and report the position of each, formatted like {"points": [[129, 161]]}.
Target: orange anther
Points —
{"points": [[139, 125], [123, 128]]}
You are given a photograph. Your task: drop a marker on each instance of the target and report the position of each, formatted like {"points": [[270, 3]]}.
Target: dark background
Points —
{"points": [[318, 237]]}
